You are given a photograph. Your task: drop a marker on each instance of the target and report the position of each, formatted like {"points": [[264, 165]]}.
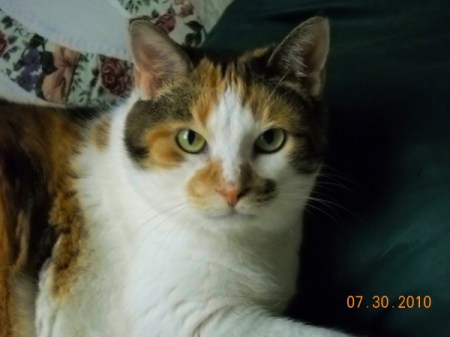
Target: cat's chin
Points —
{"points": [[228, 214]]}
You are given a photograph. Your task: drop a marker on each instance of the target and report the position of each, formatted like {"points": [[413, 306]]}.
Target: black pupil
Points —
{"points": [[269, 136], [191, 137]]}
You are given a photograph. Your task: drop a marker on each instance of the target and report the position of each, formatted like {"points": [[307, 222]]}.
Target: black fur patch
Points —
{"points": [[144, 115], [27, 201]]}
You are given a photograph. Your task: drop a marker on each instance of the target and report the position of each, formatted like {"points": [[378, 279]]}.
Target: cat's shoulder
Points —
{"points": [[37, 144]]}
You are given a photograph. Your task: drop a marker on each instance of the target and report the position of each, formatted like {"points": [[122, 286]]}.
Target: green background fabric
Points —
{"points": [[388, 168]]}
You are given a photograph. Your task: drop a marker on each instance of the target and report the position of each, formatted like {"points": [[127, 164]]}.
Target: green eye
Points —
{"points": [[190, 141], [270, 141]]}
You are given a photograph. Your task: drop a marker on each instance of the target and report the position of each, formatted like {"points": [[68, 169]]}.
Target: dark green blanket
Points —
{"points": [[384, 228]]}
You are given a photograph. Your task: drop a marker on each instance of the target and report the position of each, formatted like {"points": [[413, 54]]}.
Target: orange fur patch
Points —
{"points": [[208, 86], [45, 157], [164, 151], [100, 132], [211, 84], [204, 182]]}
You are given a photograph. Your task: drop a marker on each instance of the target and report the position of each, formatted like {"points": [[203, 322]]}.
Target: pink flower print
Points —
{"points": [[55, 86], [166, 22], [114, 75]]}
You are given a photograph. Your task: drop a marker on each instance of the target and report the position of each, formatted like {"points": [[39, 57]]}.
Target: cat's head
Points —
{"points": [[235, 139]]}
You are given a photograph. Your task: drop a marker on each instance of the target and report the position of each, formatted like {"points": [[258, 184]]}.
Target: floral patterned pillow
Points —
{"points": [[58, 74]]}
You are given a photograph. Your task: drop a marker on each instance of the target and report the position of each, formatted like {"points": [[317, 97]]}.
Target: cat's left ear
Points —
{"points": [[300, 58], [157, 59]]}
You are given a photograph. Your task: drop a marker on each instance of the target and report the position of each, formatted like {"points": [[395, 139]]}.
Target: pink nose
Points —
{"points": [[231, 193]]}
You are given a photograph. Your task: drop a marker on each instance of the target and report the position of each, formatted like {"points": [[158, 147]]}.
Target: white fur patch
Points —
{"points": [[233, 131]]}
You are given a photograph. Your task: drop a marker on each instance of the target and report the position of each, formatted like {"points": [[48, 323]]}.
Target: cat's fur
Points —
{"points": [[108, 228]]}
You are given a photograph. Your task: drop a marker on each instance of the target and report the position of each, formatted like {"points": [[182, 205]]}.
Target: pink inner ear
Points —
{"points": [[148, 71], [146, 82]]}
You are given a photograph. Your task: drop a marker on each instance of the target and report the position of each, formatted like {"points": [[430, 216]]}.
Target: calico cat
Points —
{"points": [[175, 214]]}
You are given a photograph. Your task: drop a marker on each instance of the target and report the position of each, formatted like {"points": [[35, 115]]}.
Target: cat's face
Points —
{"points": [[230, 139]]}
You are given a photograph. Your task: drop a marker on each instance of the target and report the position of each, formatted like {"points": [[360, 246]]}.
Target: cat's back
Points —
{"points": [[36, 144]]}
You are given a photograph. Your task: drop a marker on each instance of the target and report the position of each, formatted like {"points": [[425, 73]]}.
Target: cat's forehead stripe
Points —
{"points": [[232, 123], [266, 104], [213, 82]]}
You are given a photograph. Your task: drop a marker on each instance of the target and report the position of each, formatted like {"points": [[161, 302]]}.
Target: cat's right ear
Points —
{"points": [[157, 59], [300, 58]]}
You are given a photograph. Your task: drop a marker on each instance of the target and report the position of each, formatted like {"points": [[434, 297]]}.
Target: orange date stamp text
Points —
{"points": [[384, 302]]}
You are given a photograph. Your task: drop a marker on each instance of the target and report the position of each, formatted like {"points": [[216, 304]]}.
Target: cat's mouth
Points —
{"points": [[248, 206], [238, 211]]}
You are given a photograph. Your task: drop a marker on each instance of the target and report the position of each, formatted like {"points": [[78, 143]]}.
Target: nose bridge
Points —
{"points": [[228, 150], [234, 154], [231, 123], [231, 169], [239, 178]]}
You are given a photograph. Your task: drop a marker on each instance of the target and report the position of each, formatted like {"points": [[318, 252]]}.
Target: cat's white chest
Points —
{"points": [[176, 278]]}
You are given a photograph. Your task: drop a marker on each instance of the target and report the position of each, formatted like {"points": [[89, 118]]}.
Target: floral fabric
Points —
{"points": [[60, 75], [175, 17]]}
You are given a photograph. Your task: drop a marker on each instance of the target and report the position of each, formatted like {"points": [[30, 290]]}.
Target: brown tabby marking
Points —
{"points": [[38, 206], [6, 261], [69, 221], [101, 131], [164, 151]]}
